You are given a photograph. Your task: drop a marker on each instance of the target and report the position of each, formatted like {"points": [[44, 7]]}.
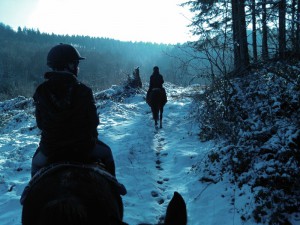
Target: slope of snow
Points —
{"points": [[151, 163], [257, 116]]}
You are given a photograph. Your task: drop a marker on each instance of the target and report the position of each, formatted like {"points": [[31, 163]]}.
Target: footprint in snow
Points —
{"points": [[158, 167], [154, 194]]}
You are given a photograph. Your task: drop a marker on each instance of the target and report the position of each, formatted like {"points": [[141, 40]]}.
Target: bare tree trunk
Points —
{"points": [[254, 41], [293, 14], [265, 53], [235, 29], [243, 34], [298, 27], [282, 29], [241, 54]]}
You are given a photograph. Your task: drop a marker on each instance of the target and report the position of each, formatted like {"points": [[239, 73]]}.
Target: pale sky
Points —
{"points": [[159, 21]]}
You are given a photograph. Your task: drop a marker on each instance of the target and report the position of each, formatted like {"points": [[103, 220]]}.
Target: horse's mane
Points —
{"points": [[72, 196]]}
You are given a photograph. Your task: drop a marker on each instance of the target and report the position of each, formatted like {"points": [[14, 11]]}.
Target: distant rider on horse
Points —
{"points": [[156, 81]]}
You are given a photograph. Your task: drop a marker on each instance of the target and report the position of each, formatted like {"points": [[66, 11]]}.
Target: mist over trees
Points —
{"points": [[233, 35], [23, 60]]}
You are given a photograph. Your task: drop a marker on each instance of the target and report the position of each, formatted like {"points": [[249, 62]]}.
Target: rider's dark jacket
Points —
{"points": [[66, 114], [156, 81]]}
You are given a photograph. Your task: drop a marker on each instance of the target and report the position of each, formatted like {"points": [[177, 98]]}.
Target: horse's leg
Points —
{"points": [[155, 114], [161, 116], [156, 117]]}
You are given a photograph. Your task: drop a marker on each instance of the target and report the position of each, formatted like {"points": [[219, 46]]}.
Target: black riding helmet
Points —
{"points": [[155, 69], [62, 54]]}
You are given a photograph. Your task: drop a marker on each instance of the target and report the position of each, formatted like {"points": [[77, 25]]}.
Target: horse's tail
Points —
{"points": [[67, 210]]}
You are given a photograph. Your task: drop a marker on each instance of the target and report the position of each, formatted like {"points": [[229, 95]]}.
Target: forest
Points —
{"points": [[234, 35], [252, 105], [231, 36], [23, 60]]}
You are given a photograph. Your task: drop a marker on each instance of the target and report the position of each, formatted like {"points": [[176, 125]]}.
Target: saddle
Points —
{"points": [[46, 171]]}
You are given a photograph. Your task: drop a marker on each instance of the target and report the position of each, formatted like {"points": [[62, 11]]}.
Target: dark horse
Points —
{"points": [[157, 99], [76, 194]]}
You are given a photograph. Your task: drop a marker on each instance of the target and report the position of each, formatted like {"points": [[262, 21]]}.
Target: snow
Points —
{"points": [[151, 163], [261, 140]]}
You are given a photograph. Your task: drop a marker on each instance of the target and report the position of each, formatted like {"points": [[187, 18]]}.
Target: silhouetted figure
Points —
{"points": [[156, 96], [66, 115], [156, 81]]}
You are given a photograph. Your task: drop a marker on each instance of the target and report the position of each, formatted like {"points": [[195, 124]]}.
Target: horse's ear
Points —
{"points": [[176, 211]]}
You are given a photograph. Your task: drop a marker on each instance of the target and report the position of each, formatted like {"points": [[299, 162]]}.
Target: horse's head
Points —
{"points": [[176, 211], [73, 196]]}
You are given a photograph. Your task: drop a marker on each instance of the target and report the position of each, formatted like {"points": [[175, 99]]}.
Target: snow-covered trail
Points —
{"points": [[152, 163]]}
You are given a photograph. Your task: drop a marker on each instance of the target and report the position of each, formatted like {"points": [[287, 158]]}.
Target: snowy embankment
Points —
{"points": [[151, 163], [257, 115]]}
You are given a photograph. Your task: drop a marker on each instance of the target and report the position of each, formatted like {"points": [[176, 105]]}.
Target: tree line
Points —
{"points": [[252, 50], [23, 60], [248, 30]]}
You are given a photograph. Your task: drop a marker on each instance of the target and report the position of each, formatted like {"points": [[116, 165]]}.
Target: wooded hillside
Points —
{"points": [[23, 60]]}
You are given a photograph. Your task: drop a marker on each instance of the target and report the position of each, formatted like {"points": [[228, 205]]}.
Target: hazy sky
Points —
{"points": [[160, 21]]}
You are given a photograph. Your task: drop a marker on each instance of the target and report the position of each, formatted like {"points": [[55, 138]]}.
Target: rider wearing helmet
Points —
{"points": [[156, 81], [66, 115]]}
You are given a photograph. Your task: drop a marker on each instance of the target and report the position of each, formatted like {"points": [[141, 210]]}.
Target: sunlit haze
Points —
{"points": [[159, 21]]}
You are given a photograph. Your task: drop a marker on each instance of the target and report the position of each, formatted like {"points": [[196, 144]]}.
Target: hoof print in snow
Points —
{"points": [[166, 179], [160, 182], [160, 201], [158, 162], [159, 167], [154, 194]]}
